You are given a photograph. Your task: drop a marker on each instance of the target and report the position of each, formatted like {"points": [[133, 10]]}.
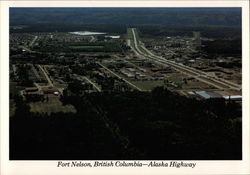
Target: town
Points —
{"points": [[44, 65]]}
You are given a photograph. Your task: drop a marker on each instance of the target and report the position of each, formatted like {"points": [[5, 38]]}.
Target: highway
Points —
{"points": [[142, 52]]}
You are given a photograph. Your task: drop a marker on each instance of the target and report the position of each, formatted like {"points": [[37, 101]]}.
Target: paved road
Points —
{"points": [[95, 86], [93, 39], [33, 41], [134, 86], [46, 76], [27, 49], [200, 75]]}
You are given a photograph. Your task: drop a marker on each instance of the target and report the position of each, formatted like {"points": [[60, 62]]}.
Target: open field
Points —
{"points": [[86, 47], [52, 106], [148, 85], [196, 85]]}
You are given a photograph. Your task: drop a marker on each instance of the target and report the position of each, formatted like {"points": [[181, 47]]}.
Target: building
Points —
{"points": [[233, 97], [51, 91], [208, 95]]}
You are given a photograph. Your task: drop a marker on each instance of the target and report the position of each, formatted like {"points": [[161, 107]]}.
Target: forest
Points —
{"points": [[218, 32], [157, 125], [224, 47], [128, 16], [75, 47]]}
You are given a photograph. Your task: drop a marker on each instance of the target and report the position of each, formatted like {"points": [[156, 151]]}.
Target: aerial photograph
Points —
{"points": [[119, 83]]}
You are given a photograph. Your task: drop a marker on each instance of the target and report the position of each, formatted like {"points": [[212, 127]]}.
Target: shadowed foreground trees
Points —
{"points": [[158, 125]]}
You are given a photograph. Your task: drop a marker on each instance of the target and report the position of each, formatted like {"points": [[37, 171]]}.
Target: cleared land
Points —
{"points": [[148, 85], [86, 47], [52, 106]]}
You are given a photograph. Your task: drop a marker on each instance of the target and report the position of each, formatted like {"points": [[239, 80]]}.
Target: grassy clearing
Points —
{"points": [[148, 85], [195, 85], [176, 77], [51, 106], [86, 47]]}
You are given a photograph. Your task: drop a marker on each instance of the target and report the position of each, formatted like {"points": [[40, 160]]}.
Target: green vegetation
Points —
{"points": [[128, 16], [148, 85], [49, 107], [116, 46], [223, 47], [86, 47], [158, 125], [99, 115], [206, 31], [145, 30], [55, 27]]}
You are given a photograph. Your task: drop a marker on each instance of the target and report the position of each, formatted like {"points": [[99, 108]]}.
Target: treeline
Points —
{"points": [[225, 47], [73, 47], [55, 27], [128, 16], [60, 136], [157, 125], [206, 31]]}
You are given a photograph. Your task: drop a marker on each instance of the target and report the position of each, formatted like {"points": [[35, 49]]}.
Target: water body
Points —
{"points": [[113, 37], [86, 33]]}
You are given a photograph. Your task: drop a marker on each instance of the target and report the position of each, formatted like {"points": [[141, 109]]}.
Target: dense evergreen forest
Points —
{"points": [[157, 125], [225, 47], [59, 27], [131, 16], [206, 31]]}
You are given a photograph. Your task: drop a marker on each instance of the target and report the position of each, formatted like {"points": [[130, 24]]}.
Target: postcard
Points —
{"points": [[121, 87]]}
